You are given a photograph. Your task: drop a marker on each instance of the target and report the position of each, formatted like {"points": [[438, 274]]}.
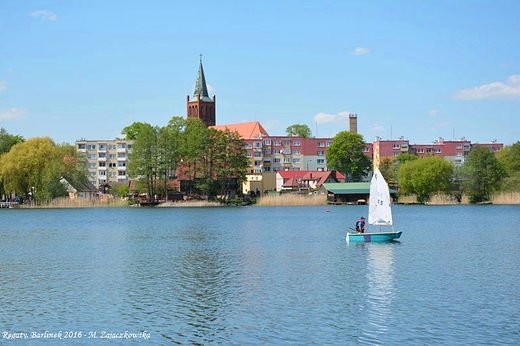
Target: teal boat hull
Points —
{"points": [[355, 237]]}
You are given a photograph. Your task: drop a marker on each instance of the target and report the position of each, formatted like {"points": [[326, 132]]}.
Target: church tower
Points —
{"points": [[200, 105]]}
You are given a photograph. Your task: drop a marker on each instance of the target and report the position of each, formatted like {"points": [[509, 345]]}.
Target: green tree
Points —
{"points": [[231, 163], [481, 174], [37, 165], [132, 131], [509, 157], [7, 141], [425, 176], [144, 160], [299, 130], [346, 154]]}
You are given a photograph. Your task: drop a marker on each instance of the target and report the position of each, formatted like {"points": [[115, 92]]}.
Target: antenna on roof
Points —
{"points": [[200, 58]]}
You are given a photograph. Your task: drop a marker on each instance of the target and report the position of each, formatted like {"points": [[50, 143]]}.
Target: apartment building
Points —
{"points": [[107, 160]]}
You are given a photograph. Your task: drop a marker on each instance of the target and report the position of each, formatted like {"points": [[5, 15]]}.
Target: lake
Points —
{"points": [[259, 275]]}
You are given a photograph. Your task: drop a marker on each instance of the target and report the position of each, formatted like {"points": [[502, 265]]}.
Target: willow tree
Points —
{"points": [[35, 167], [346, 154]]}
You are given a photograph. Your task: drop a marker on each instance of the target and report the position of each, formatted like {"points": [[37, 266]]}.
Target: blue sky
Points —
{"points": [[417, 69]]}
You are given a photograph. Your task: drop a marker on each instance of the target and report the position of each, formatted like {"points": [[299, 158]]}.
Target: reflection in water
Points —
{"points": [[381, 291]]}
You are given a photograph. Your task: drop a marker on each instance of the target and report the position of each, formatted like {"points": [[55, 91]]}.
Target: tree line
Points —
{"points": [[482, 173], [209, 161], [212, 162]]}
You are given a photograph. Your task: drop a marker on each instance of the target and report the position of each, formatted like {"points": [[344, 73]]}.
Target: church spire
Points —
{"points": [[200, 105], [201, 89]]}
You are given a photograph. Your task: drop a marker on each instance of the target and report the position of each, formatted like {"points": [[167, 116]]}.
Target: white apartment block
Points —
{"points": [[107, 161]]}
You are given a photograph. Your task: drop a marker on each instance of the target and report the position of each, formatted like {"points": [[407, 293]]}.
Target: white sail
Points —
{"points": [[379, 210]]}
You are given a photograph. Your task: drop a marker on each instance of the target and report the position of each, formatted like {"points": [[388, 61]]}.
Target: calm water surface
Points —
{"points": [[260, 275]]}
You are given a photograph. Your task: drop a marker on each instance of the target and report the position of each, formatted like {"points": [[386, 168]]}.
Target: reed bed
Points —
{"points": [[292, 199], [66, 202], [506, 198]]}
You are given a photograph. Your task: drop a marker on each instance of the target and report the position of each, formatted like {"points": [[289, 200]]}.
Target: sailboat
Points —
{"points": [[379, 213]]}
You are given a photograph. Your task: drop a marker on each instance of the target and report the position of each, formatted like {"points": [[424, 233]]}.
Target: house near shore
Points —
{"points": [[84, 191], [349, 193]]}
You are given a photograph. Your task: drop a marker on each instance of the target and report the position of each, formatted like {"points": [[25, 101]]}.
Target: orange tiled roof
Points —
{"points": [[250, 130]]}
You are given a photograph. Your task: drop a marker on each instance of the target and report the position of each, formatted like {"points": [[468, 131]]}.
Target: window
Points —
{"points": [[258, 154], [395, 146], [91, 147], [121, 145], [112, 156], [102, 147], [329, 143], [458, 146], [91, 165], [296, 143], [111, 165], [286, 160], [249, 155], [420, 150], [121, 164], [428, 150], [286, 142], [296, 161], [257, 144], [277, 143], [321, 145], [92, 156], [102, 173], [365, 149], [267, 142], [111, 147], [258, 163], [81, 146], [267, 151], [112, 174], [437, 151], [320, 161], [286, 151], [102, 155], [249, 146], [277, 161], [296, 152], [102, 164], [121, 172], [320, 153], [121, 155]]}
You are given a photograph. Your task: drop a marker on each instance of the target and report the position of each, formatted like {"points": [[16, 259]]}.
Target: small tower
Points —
{"points": [[353, 123], [200, 105]]}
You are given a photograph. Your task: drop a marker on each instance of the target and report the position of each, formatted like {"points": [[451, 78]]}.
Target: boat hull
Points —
{"points": [[355, 237]]}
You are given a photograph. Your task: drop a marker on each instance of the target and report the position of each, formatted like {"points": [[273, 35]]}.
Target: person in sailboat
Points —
{"points": [[360, 225]]}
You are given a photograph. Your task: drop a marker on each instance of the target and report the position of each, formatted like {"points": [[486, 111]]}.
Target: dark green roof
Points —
{"points": [[201, 87], [350, 188]]}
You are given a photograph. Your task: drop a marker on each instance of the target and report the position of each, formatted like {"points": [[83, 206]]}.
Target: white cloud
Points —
{"points": [[3, 86], [360, 51], [44, 15], [433, 112], [338, 118], [496, 90], [12, 114]]}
